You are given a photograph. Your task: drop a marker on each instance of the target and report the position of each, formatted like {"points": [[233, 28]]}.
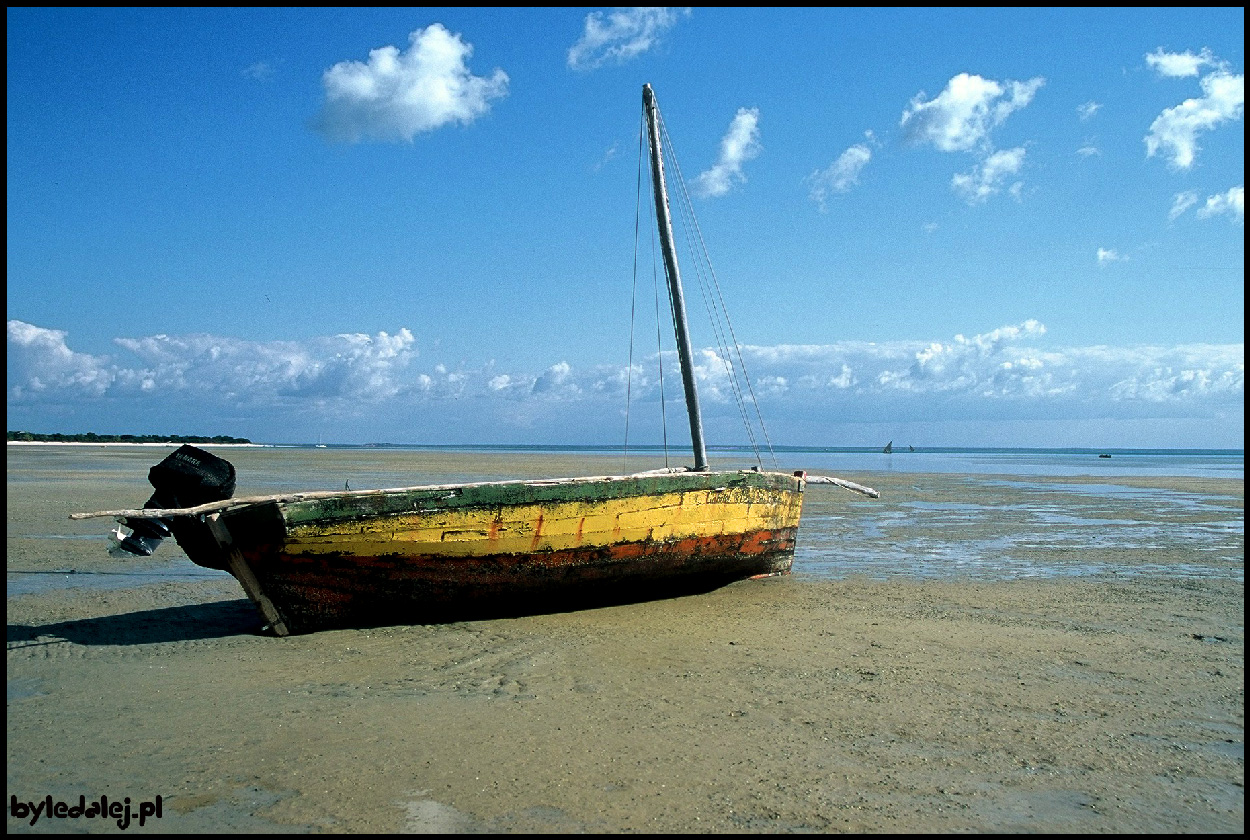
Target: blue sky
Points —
{"points": [[942, 227]]}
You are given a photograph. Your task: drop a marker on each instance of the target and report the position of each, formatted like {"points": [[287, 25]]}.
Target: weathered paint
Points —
{"points": [[413, 554], [546, 526]]}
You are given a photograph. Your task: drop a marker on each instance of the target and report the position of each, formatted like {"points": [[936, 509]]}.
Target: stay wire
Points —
{"points": [[716, 307], [633, 301]]}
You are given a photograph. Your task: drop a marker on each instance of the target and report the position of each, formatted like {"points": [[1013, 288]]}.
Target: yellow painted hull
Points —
{"points": [[545, 527], [423, 554]]}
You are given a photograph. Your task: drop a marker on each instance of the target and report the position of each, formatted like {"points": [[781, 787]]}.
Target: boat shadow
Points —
{"points": [[189, 623], [225, 619], [570, 600]]}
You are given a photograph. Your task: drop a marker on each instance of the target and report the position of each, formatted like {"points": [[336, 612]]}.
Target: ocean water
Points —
{"points": [[993, 528], [1213, 463]]}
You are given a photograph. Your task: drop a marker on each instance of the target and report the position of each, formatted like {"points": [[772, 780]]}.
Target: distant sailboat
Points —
{"points": [[911, 448], [889, 447]]}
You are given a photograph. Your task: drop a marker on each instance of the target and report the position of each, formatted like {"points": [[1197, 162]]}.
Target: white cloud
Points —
{"points": [[362, 381], [845, 378], [961, 119], [621, 34], [740, 144], [1179, 64], [1181, 202], [1169, 383], [1088, 150], [47, 365], [840, 175], [1175, 131], [962, 116], [1087, 110], [986, 179], [1232, 203], [556, 381], [260, 70], [344, 367], [1109, 255], [1003, 364], [397, 95]]}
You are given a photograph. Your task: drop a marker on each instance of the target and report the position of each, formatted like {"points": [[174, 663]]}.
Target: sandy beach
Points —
{"points": [[1104, 695]]}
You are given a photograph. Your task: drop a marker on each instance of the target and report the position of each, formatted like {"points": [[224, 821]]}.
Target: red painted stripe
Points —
{"points": [[324, 590]]}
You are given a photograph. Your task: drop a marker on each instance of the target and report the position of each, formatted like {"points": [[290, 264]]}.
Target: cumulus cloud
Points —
{"points": [[1087, 110], [1004, 372], [1109, 255], [1171, 380], [1004, 364], [1231, 203], [46, 364], [1174, 133], [353, 367], [1179, 64], [740, 144], [399, 94], [556, 381], [621, 34], [840, 175], [1181, 202], [987, 178], [962, 116]]}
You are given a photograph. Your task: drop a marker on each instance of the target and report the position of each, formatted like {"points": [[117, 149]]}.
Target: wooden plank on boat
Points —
{"points": [[243, 573], [842, 482]]}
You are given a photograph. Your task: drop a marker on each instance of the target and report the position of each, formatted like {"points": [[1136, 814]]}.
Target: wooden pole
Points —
{"points": [[842, 482], [245, 576]]}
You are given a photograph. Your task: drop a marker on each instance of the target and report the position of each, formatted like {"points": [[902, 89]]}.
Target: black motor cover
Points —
{"points": [[188, 477]]}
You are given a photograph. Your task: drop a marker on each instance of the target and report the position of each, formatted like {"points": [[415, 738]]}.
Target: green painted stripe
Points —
{"points": [[409, 500]]}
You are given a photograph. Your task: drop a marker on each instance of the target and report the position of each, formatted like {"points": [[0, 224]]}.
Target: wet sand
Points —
{"points": [[1111, 702]]}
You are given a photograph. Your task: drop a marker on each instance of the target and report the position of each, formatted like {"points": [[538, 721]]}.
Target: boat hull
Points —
{"points": [[418, 555]]}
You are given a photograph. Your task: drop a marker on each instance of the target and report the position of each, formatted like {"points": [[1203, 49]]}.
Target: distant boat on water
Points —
{"points": [[889, 447]]}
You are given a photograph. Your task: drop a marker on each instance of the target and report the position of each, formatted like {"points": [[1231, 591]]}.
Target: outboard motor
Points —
{"points": [[188, 477]]}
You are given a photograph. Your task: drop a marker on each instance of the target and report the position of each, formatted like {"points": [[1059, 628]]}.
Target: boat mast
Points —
{"points": [[665, 223]]}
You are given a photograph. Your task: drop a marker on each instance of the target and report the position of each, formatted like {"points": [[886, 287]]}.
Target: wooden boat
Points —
{"points": [[417, 554]]}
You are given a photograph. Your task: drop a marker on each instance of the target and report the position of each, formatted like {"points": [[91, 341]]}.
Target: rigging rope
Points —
{"points": [[715, 305], [629, 374], [633, 296], [728, 349]]}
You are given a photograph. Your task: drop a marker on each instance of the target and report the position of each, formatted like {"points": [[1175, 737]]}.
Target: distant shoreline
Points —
{"points": [[169, 443]]}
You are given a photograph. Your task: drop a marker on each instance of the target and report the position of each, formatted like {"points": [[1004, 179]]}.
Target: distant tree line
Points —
{"points": [[92, 437]]}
